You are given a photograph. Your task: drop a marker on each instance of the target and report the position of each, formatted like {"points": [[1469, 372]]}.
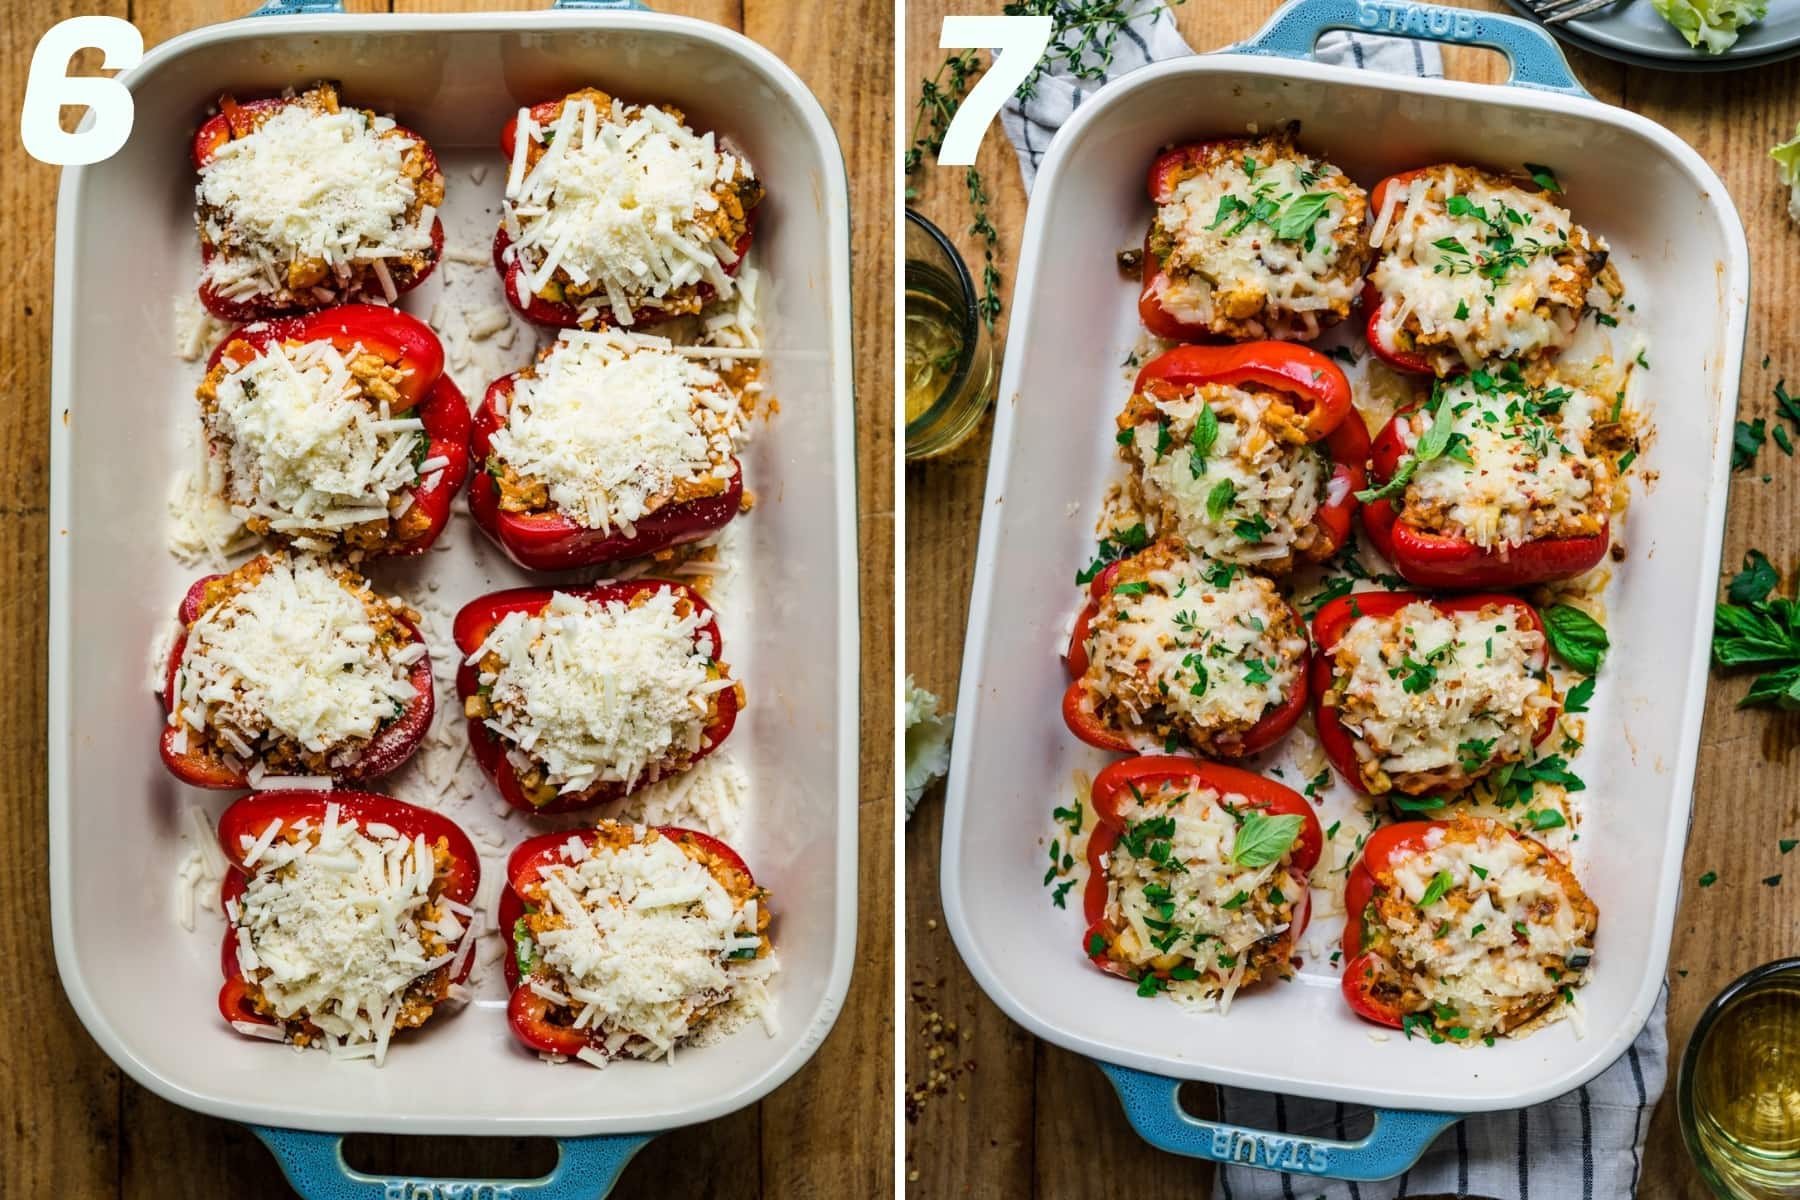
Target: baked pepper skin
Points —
{"points": [[526, 1011], [550, 541], [426, 392], [478, 618], [1328, 628], [558, 314], [1087, 726], [1436, 560], [234, 120], [391, 746], [251, 814], [1118, 781]]}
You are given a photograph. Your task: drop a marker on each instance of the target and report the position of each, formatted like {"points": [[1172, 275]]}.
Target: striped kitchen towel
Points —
{"points": [[1586, 1145]]}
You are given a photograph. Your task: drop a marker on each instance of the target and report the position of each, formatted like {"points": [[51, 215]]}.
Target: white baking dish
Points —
{"points": [[1680, 247], [125, 247]]}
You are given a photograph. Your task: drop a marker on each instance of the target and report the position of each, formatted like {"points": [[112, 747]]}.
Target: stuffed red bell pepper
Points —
{"points": [[1416, 694], [337, 429], [291, 669], [304, 203], [1252, 238], [1463, 930], [1473, 265], [1173, 651], [612, 446], [585, 241], [628, 941], [347, 917], [1197, 877], [582, 695], [1498, 483], [1252, 454]]}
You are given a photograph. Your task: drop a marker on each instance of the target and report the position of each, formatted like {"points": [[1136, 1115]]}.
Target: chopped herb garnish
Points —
{"points": [[1708, 879], [1577, 638], [1576, 701], [1434, 891], [1261, 839]]}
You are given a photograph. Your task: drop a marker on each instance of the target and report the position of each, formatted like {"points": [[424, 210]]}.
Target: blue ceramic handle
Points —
{"points": [[1153, 1106], [612, 5], [1537, 61], [586, 1169], [293, 8]]}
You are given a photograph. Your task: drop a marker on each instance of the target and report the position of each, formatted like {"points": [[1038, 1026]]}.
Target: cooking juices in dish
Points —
{"points": [[1463, 929], [291, 668], [1244, 463], [618, 213], [1197, 877], [612, 446], [348, 918], [580, 696], [337, 430], [305, 202], [1253, 238], [630, 941]]}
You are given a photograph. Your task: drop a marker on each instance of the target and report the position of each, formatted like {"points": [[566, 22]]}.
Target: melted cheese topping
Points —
{"points": [[643, 942], [1427, 691], [1226, 261], [602, 692], [308, 185], [1209, 911], [1485, 267], [618, 197], [337, 924], [1523, 464], [294, 654], [1512, 937], [612, 423], [1171, 649], [303, 446], [1250, 498]]}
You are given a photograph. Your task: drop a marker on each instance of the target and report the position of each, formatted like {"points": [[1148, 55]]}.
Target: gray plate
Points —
{"points": [[1630, 31]]}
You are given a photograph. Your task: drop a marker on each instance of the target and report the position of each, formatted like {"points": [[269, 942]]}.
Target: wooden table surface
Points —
{"points": [[74, 1126], [1030, 1119]]}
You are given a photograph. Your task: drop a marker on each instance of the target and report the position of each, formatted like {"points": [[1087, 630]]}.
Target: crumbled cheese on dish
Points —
{"points": [[308, 185], [196, 330], [709, 797], [1504, 937], [617, 198], [1523, 469], [294, 653], [612, 422], [602, 691], [1425, 690], [643, 943], [1212, 912], [1486, 267], [333, 929], [1250, 496], [304, 446]]}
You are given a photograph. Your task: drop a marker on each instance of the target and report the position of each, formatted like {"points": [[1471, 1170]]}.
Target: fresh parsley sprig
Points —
{"points": [[1431, 445], [1760, 627]]}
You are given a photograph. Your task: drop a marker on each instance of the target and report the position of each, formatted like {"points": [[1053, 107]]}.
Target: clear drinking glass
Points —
{"points": [[1738, 1092], [949, 360]]}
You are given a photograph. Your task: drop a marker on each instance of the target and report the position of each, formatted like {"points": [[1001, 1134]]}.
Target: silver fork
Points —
{"points": [[1554, 12]]}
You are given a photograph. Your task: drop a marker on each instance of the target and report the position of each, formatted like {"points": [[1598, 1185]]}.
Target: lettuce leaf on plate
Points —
{"points": [[1712, 23], [1787, 161]]}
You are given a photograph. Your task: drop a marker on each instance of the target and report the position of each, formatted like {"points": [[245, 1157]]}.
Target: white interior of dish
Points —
{"points": [[1680, 248], [126, 247]]}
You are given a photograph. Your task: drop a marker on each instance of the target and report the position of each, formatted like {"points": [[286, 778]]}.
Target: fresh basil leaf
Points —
{"points": [[1434, 891], [1206, 432], [1754, 583], [1301, 214], [1415, 803], [1220, 498], [1577, 638], [1262, 839], [1544, 177]]}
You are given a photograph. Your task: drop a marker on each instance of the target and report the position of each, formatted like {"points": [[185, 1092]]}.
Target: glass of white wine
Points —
{"points": [[1738, 1092], [949, 366]]}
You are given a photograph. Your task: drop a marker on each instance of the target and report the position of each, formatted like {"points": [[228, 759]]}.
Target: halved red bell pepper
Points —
{"points": [[1438, 560], [560, 314], [549, 541], [1135, 777], [391, 746], [1373, 872], [1085, 724], [477, 619], [250, 817], [238, 120], [401, 340], [1409, 361], [526, 1011], [1167, 171], [1328, 629]]}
